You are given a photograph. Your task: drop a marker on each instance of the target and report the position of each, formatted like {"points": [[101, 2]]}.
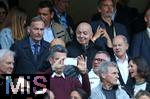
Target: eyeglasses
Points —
{"points": [[99, 59]]}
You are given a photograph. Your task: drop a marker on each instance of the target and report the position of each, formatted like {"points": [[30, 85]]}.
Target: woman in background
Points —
{"points": [[13, 27], [139, 70]]}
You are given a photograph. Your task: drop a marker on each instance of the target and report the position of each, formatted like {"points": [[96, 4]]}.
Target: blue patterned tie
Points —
{"points": [[36, 52]]}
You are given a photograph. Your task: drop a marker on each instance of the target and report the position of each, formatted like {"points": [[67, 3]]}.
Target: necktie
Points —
{"points": [[35, 52]]}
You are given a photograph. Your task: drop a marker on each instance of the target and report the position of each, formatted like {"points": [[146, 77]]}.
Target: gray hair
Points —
{"points": [[104, 52], [4, 52], [36, 18], [57, 48], [104, 65]]}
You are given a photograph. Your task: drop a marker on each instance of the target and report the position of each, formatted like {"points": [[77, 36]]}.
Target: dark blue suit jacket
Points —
{"points": [[141, 46], [128, 86], [24, 60]]}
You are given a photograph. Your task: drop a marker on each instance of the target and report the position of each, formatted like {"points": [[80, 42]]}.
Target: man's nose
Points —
{"points": [[11, 66], [82, 35]]}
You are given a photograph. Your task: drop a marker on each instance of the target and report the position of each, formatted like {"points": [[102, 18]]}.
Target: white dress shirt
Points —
{"points": [[123, 68], [148, 29], [94, 79]]}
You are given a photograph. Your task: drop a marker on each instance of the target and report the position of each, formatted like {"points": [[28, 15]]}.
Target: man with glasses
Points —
{"points": [[109, 88], [93, 77]]}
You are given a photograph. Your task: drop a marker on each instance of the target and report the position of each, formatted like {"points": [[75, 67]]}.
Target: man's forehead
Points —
{"points": [[112, 69], [84, 27]]}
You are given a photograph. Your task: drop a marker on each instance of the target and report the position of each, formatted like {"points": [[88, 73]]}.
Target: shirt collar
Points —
{"points": [[148, 31], [32, 42], [58, 75]]}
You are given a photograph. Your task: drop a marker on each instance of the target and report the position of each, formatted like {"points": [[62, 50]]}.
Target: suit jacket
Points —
{"points": [[24, 59], [148, 87], [141, 46], [128, 87]]}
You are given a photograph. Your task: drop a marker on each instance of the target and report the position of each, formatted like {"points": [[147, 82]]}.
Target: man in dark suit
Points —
{"points": [[120, 57], [32, 52], [141, 42], [105, 9]]}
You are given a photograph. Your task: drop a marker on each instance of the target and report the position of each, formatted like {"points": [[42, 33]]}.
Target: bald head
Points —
{"points": [[84, 33], [85, 25], [57, 41]]}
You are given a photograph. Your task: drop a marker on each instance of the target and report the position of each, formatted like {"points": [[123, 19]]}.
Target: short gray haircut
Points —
{"points": [[104, 65], [4, 52], [104, 52], [36, 18], [123, 37], [57, 48]]}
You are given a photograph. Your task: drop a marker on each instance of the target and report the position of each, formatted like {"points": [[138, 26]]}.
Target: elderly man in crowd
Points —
{"points": [[6, 61], [109, 88]]}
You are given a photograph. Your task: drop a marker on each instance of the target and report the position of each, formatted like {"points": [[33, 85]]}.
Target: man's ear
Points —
{"points": [[50, 60], [103, 75], [145, 19], [127, 46], [52, 15], [99, 9], [91, 36], [28, 29]]}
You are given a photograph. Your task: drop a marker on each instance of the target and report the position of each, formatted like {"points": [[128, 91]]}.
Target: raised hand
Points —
{"points": [[82, 66]]}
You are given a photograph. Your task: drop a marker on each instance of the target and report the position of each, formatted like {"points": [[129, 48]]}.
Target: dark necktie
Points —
{"points": [[35, 52]]}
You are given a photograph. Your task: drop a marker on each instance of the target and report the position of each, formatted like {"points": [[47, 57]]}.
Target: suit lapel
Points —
{"points": [[146, 38], [43, 47], [27, 50]]}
